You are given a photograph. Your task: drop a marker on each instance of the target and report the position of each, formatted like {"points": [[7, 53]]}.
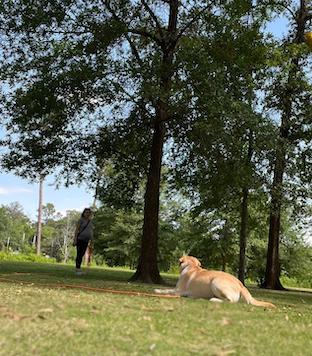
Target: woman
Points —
{"points": [[83, 236]]}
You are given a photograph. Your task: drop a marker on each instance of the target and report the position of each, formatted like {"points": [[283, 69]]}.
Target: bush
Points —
{"points": [[295, 282], [30, 257]]}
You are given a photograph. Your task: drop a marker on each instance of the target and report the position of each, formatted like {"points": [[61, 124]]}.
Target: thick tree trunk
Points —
{"points": [[147, 270]]}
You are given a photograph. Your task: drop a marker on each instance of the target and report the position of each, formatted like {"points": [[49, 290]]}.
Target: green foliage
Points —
{"points": [[288, 92], [211, 236], [21, 257], [117, 237], [125, 148], [17, 232], [297, 282], [16, 229], [296, 257], [58, 233], [77, 64], [57, 74]]}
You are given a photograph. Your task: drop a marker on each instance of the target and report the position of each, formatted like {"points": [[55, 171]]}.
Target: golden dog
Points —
{"points": [[216, 286]]}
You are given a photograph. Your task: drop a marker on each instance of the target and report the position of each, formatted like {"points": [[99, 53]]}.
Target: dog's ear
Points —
{"points": [[196, 261], [181, 259]]}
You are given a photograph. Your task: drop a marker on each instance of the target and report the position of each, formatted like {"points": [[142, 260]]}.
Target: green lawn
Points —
{"points": [[39, 318]]}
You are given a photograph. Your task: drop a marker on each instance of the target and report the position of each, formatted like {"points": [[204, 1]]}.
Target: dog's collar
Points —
{"points": [[185, 268]]}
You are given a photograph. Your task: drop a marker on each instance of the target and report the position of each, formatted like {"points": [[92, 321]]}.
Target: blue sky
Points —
{"points": [[15, 189], [279, 27]]}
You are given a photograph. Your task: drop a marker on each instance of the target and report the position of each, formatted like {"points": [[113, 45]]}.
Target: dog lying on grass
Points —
{"points": [[216, 286]]}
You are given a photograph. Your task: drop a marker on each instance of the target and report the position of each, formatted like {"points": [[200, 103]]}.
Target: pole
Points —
{"points": [[39, 223]]}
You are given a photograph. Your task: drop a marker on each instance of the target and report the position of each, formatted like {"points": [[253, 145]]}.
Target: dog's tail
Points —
{"points": [[250, 300]]}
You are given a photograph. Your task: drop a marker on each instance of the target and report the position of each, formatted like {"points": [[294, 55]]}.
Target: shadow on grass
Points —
{"points": [[53, 275], [60, 270]]}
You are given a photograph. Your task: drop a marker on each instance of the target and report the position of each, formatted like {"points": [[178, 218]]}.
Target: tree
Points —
{"points": [[167, 39], [117, 236], [81, 44], [225, 148], [48, 213], [68, 67], [290, 98], [65, 228], [16, 229]]}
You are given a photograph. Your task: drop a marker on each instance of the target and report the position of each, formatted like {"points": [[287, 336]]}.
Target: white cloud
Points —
{"points": [[13, 190]]}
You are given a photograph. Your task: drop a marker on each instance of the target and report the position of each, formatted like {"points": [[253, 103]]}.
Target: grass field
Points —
{"points": [[40, 317]]}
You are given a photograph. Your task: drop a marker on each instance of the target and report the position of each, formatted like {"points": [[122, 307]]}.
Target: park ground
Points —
{"points": [[45, 309]]}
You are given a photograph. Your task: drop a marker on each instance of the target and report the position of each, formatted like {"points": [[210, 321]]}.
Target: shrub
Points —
{"points": [[296, 282], [30, 257]]}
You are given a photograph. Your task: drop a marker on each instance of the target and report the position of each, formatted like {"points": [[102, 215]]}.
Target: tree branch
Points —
{"points": [[141, 32], [134, 50], [153, 16], [288, 9], [190, 23], [145, 34]]}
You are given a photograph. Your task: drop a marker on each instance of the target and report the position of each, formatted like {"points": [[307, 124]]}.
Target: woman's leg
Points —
{"points": [[81, 250]]}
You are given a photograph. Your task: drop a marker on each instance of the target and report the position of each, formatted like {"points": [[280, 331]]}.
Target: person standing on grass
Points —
{"points": [[83, 236]]}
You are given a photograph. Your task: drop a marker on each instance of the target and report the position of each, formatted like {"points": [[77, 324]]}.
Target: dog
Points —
{"points": [[217, 286]]}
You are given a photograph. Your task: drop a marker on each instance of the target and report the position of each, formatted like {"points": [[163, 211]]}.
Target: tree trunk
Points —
{"points": [[39, 223], [243, 236], [272, 273], [147, 270], [244, 217], [96, 190]]}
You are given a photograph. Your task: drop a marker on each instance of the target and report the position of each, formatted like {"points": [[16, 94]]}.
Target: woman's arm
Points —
{"points": [[77, 229], [76, 233]]}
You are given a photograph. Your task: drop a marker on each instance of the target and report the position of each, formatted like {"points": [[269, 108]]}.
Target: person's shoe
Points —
{"points": [[79, 272]]}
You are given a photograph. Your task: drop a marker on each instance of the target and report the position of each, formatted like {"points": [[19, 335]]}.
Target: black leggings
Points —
{"points": [[81, 250]]}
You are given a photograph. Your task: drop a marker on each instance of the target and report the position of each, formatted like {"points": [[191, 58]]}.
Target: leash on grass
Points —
{"points": [[93, 289]]}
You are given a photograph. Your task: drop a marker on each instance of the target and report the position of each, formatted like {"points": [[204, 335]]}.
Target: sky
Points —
{"points": [[278, 27], [15, 189]]}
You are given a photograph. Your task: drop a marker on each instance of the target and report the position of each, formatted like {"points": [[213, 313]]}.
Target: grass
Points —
{"points": [[37, 318]]}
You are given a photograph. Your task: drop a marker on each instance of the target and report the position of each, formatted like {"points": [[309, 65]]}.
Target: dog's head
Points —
{"points": [[186, 261]]}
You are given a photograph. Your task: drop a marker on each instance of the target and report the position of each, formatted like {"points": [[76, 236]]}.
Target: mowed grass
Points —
{"points": [[37, 317]]}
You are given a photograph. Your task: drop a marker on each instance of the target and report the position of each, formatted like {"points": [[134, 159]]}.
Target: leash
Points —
{"points": [[83, 287]]}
